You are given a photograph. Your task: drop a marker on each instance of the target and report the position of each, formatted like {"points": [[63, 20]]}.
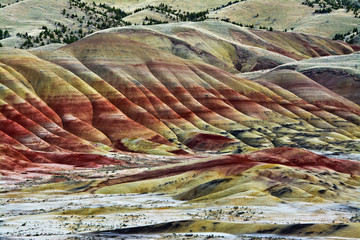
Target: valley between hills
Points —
{"points": [[180, 130]]}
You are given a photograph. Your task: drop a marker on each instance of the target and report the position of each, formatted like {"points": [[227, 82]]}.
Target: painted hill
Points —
{"points": [[339, 74], [140, 90], [239, 48]]}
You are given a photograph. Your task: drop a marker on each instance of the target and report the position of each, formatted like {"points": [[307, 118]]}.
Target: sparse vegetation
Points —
{"points": [[251, 26], [326, 6], [4, 34], [151, 21], [176, 15], [355, 218], [347, 37], [4, 5], [226, 5], [323, 10], [88, 18]]}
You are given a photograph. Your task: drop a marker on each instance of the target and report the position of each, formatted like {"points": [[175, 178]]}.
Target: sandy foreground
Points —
{"points": [[53, 214], [57, 216]]}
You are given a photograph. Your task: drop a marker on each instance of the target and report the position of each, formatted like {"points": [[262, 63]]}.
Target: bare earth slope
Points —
{"points": [[231, 47], [340, 74], [125, 90]]}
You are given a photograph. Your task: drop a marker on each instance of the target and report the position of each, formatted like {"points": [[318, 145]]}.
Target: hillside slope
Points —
{"points": [[72, 20], [340, 74], [115, 91]]}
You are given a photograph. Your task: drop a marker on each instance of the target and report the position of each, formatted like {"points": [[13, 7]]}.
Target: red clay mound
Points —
{"points": [[235, 164], [17, 160], [13, 160], [205, 142], [305, 159]]}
